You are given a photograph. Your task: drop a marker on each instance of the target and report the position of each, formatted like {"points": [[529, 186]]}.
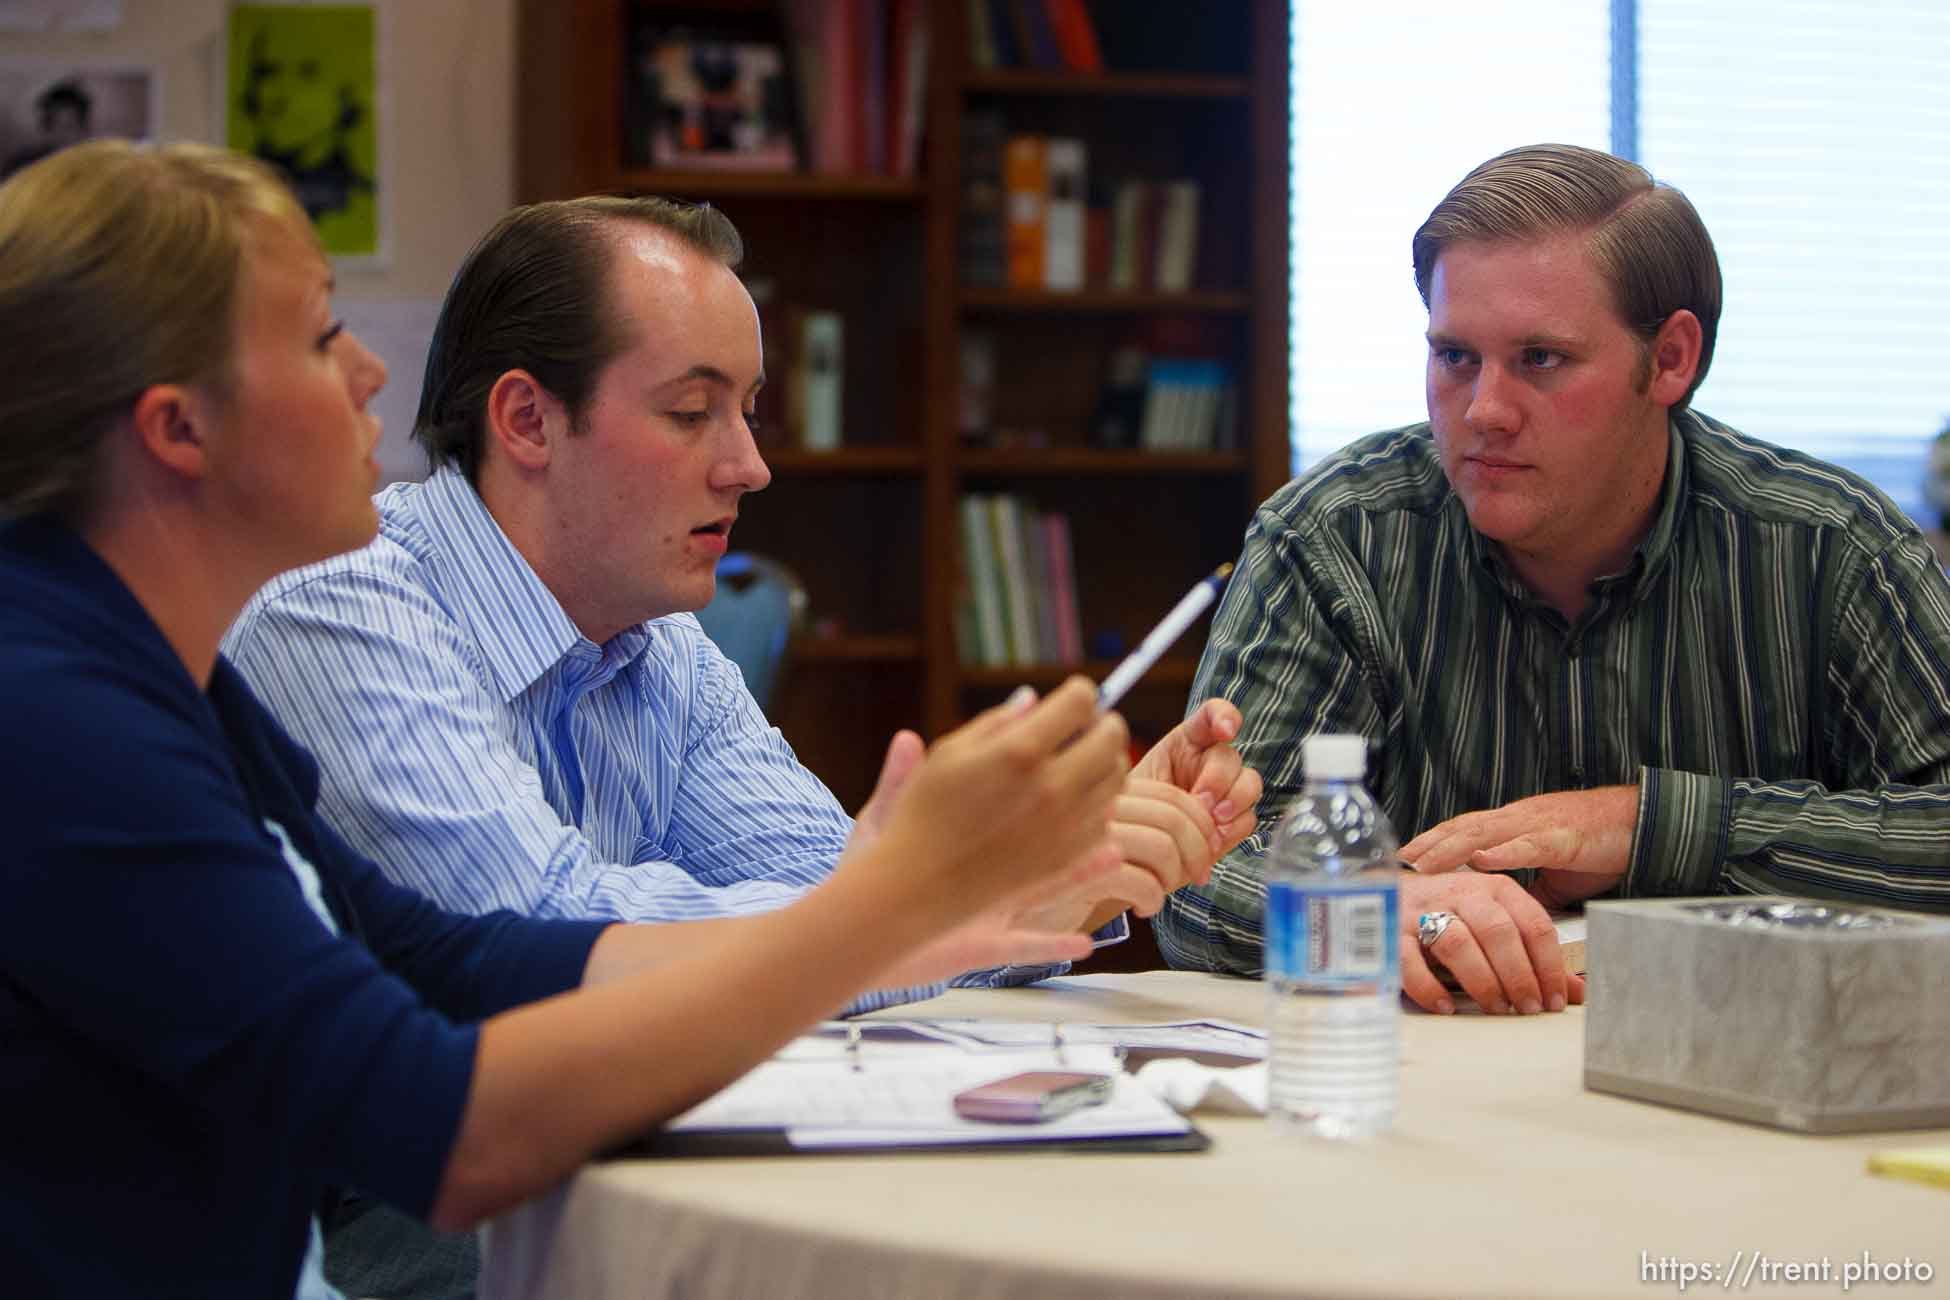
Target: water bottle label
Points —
{"points": [[1329, 935]]}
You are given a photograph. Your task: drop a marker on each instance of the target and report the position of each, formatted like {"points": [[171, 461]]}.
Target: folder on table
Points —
{"points": [[889, 1087]]}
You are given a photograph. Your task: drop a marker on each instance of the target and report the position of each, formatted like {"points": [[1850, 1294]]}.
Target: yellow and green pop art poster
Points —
{"points": [[299, 93]]}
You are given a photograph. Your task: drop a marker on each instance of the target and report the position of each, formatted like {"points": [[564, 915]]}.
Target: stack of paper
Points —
{"points": [[891, 1084], [904, 1096]]}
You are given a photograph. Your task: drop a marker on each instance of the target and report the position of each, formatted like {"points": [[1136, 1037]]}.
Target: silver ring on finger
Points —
{"points": [[1430, 926]]}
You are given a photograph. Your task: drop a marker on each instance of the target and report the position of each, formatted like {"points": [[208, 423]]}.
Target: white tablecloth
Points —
{"points": [[1502, 1178]]}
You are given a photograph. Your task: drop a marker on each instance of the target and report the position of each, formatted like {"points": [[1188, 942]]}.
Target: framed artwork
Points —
{"points": [[714, 92], [301, 91], [48, 103]]}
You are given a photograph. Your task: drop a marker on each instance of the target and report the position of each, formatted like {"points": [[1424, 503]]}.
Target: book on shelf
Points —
{"points": [[1154, 235], [1063, 588], [1126, 211], [983, 235], [982, 52], [968, 645], [1039, 580], [1063, 214], [989, 634], [1035, 37], [1021, 603], [908, 101], [1096, 235], [1041, 186], [1183, 399], [1039, 35], [1025, 184], [999, 24], [862, 71], [1120, 403], [1076, 36], [1018, 587], [837, 110], [1045, 213], [1225, 435], [1177, 236], [975, 418], [870, 123], [817, 382]]}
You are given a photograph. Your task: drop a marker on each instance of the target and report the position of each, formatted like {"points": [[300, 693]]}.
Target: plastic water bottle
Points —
{"points": [[1333, 965]]}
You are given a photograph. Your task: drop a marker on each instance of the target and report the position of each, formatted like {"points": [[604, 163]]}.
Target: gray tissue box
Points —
{"points": [[1822, 1017]]}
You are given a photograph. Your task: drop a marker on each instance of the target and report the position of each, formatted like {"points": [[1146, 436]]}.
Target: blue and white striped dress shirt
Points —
{"points": [[485, 753]]}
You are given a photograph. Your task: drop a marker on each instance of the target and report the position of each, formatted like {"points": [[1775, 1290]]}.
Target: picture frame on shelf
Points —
{"points": [[711, 92]]}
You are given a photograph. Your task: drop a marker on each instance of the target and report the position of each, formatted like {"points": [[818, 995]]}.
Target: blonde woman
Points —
{"points": [[211, 1008]]}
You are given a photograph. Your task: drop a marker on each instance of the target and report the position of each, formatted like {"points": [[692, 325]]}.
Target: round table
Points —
{"points": [[1502, 1177]]}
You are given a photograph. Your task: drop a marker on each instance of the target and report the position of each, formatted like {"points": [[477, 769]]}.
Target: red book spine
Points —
{"points": [[1063, 588], [839, 123], [907, 101], [1076, 36]]}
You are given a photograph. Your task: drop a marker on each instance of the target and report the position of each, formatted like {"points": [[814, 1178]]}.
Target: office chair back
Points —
{"points": [[759, 607]]}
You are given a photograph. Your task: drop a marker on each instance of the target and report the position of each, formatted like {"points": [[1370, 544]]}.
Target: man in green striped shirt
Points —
{"points": [[1587, 630]]}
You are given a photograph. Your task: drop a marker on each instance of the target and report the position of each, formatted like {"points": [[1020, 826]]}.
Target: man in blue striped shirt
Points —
{"points": [[513, 706], [1590, 632], [510, 703]]}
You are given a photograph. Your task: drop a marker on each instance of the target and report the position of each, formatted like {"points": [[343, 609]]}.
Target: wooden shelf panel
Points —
{"points": [[857, 650], [760, 185], [1166, 672], [1126, 85], [1089, 460], [869, 461], [874, 526], [1102, 301]]}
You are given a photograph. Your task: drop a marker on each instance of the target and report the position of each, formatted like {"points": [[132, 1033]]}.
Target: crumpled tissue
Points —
{"points": [[1187, 1086]]}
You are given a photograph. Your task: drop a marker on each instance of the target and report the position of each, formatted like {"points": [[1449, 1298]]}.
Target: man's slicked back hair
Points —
{"points": [[534, 295], [1645, 237]]}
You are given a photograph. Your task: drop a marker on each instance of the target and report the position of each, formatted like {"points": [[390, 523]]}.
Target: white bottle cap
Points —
{"points": [[1335, 758]]}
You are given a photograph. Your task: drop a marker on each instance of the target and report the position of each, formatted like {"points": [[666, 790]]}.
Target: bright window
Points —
{"points": [[1814, 138]]}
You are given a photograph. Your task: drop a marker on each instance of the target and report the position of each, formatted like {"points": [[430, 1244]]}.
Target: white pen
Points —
{"points": [[1182, 616]]}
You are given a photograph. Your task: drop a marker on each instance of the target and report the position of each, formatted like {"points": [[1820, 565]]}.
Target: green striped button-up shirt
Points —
{"points": [[1772, 671]]}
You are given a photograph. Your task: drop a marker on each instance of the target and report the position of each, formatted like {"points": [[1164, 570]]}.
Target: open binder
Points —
{"points": [[774, 1142], [889, 1086]]}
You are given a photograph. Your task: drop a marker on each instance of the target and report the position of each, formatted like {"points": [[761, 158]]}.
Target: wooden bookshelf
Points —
{"points": [[891, 461], [1101, 301], [858, 650], [873, 527], [768, 185], [1113, 85], [1172, 672], [1039, 462]]}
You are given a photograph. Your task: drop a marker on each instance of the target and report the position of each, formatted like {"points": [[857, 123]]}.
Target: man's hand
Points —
{"points": [[1502, 947], [1164, 839], [1197, 757], [1186, 804], [1580, 840], [1189, 801]]}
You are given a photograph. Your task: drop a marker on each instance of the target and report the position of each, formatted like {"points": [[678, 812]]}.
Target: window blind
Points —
{"points": [[1814, 138]]}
